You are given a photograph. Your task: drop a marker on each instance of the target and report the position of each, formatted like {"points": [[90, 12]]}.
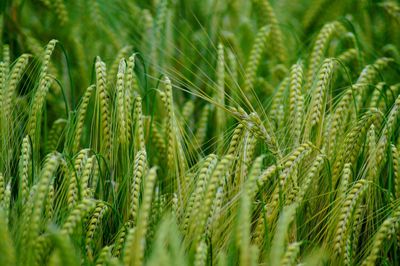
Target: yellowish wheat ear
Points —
{"points": [[254, 124], [215, 181], [296, 101], [139, 171], [76, 216], [321, 43], [102, 99], [197, 197], [94, 222], [121, 106], [353, 198], [320, 95], [396, 170], [220, 97], [24, 166], [387, 132], [8, 94], [139, 127], [35, 116]]}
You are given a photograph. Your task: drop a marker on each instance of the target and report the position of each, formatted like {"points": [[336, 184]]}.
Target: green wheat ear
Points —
{"points": [[255, 57]]}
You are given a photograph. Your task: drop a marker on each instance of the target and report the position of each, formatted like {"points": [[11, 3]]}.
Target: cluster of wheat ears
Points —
{"points": [[218, 132]]}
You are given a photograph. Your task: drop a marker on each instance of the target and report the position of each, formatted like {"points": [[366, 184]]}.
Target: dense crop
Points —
{"points": [[172, 132]]}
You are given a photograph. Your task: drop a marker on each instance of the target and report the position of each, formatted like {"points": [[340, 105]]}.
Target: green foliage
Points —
{"points": [[183, 132]]}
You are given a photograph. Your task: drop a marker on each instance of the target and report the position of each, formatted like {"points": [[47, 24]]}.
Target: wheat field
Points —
{"points": [[184, 132]]}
